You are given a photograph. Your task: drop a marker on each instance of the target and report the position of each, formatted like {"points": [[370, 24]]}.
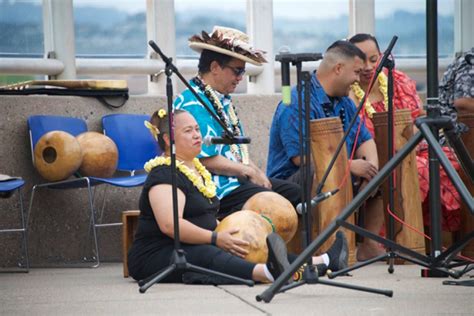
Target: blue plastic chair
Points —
{"points": [[135, 145], [38, 125], [7, 189]]}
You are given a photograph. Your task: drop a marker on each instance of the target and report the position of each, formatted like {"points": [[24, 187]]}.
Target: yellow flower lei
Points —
{"points": [[234, 120], [207, 188], [359, 93]]}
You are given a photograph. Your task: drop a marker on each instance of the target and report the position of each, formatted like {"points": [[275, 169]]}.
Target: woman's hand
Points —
{"points": [[233, 245]]}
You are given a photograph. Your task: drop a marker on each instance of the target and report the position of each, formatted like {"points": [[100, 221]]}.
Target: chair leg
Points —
{"points": [[91, 207], [90, 230], [28, 218], [102, 208], [24, 232], [93, 224]]}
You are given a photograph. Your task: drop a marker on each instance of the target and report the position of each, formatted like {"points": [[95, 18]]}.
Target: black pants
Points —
{"points": [[235, 200], [205, 256]]}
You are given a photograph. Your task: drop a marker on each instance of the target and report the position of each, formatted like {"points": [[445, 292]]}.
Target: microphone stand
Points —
{"points": [[389, 254], [178, 261]]}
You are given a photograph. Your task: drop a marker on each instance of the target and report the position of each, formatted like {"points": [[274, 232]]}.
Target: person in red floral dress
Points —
{"points": [[405, 97]]}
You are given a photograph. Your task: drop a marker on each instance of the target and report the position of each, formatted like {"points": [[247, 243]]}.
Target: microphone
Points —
{"points": [[469, 57], [214, 140], [285, 74], [317, 199], [285, 58]]}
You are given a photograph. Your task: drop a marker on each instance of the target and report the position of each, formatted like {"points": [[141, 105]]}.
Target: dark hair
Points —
{"points": [[346, 49], [208, 56], [362, 37], [163, 125]]}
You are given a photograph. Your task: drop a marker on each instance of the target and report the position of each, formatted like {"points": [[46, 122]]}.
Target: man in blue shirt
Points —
{"points": [[330, 85]]}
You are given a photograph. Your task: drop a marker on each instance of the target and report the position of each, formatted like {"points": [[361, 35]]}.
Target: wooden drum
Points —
{"points": [[326, 133], [407, 201], [467, 219]]}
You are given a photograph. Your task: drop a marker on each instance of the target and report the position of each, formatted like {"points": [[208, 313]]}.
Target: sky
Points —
{"points": [[281, 8]]}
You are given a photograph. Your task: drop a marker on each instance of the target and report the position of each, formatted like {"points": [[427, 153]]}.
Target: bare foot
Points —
{"points": [[367, 251]]}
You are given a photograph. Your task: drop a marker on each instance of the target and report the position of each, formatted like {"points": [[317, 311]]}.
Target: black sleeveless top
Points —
{"points": [[198, 209]]}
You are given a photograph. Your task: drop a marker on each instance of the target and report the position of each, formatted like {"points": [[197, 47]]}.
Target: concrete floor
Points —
{"points": [[104, 291]]}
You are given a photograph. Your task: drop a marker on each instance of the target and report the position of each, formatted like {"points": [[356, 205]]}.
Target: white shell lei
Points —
{"points": [[234, 121]]}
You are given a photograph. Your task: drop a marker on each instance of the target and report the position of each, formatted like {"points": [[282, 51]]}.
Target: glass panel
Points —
{"points": [[407, 20], [108, 27], [309, 26], [21, 25], [193, 16]]}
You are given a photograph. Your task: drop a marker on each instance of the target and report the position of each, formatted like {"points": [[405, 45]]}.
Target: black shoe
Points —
{"points": [[277, 260], [299, 274], [338, 253], [322, 269]]}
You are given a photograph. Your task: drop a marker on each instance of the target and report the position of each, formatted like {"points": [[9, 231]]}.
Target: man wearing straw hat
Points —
{"points": [[224, 54], [221, 67]]}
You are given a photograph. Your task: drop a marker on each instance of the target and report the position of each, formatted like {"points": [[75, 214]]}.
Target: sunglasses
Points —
{"points": [[238, 71]]}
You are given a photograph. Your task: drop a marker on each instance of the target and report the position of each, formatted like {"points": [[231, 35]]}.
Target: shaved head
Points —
{"points": [[339, 52], [340, 67]]}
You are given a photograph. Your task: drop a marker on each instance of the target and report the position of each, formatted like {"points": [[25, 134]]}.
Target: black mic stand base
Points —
{"points": [[464, 282], [310, 276], [179, 264]]}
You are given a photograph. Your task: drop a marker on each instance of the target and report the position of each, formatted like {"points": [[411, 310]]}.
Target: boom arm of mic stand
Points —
{"points": [[170, 65], [356, 115]]}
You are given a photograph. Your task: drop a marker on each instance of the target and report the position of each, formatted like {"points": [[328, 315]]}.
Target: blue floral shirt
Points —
{"points": [[209, 127]]}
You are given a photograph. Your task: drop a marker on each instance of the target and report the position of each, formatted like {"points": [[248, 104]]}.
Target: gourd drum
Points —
{"points": [[57, 155], [278, 209], [252, 228], [100, 155]]}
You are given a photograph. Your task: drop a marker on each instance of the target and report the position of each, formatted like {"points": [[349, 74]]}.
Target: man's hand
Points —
{"points": [[363, 168], [255, 175]]}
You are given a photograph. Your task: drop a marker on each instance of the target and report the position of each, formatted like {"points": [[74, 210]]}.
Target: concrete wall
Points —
{"points": [[58, 223]]}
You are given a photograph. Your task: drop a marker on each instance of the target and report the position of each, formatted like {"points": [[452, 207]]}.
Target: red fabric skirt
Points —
{"points": [[450, 200]]}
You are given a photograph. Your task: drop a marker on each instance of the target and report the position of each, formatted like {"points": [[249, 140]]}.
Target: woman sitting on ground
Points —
{"points": [[197, 206]]}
